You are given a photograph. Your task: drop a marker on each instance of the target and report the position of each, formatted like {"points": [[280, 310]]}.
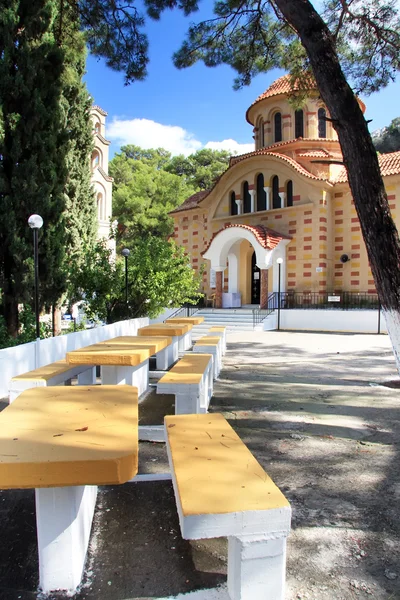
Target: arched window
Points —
{"points": [[278, 127], [95, 159], [289, 193], [321, 123], [97, 127], [246, 198], [234, 207], [261, 195], [100, 207], [276, 199], [299, 123]]}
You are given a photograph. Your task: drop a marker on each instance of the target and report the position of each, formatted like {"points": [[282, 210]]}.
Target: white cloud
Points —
{"points": [[230, 145], [149, 134]]}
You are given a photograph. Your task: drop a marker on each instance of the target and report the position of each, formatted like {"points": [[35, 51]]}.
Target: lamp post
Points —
{"points": [[279, 261], [126, 252], [35, 222]]}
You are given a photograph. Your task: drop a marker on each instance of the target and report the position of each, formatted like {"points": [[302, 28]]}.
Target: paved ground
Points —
{"points": [[312, 409]]}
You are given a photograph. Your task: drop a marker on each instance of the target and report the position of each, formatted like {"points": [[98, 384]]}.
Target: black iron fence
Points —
{"points": [[324, 300]]}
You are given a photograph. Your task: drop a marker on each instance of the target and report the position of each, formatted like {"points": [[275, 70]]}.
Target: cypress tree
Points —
{"points": [[45, 144]]}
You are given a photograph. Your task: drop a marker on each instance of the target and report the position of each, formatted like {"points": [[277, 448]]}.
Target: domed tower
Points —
{"points": [[305, 134]]}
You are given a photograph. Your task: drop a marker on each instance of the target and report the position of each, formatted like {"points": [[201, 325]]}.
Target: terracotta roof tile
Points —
{"points": [[388, 163], [314, 154], [283, 85], [268, 238], [100, 110], [104, 174], [191, 202], [266, 152]]}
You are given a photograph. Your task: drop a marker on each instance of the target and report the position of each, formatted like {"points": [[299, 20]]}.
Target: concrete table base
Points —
{"points": [[117, 375], [64, 518]]}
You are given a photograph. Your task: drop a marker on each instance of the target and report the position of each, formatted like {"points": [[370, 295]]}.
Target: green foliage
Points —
{"points": [[148, 184], [159, 276], [388, 139], [201, 169], [144, 193], [45, 143], [27, 331]]}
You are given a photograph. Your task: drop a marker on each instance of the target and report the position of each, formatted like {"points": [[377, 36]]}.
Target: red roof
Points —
{"points": [[389, 165], [266, 152], [268, 238], [284, 85], [192, 201]]}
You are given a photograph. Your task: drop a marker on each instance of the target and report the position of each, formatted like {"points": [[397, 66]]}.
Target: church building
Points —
{"points": [[282, 217], [101, 180]]}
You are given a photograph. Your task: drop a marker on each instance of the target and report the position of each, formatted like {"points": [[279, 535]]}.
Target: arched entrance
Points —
{"points": [[244, 253], [255, 280]]}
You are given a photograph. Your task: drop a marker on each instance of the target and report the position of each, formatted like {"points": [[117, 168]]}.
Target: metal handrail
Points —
{"points": [[260, 314], [184, 311]]}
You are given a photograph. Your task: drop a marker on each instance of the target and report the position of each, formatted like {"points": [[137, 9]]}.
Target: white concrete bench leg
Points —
{"points": [[256, 567], [187, 403], [215, 351], [162, 360], [185, 341], [87, 377], [118, 375], [173, 351], [64, 518]]}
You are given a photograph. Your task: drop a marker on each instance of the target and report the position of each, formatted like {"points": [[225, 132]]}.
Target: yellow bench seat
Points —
{"points": [[221, 490], [57, 436], [192, 320]]}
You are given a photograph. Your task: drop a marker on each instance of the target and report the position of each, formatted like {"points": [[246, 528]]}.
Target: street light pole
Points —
{"points": [[279, 261], [35, 222], [126, 252]]}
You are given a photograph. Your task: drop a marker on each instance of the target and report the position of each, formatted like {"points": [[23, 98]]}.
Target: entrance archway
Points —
{"points": [[245, 250]]}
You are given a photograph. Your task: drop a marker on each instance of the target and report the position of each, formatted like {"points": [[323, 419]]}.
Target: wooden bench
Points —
{"points": [[181, 334], [221, 490], [120, 363], [221, 331], [191, 382], [186, 342], [158, 346], [64, 442], [211, 345], [55, 373]]}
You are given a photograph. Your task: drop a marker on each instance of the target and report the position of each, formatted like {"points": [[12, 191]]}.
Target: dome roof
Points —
{"points": [[284, 85]]}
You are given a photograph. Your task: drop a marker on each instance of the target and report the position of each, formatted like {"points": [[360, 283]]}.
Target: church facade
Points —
{"points": [[282, 217]]}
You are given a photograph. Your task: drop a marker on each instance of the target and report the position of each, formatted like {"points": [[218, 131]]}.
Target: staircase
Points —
{"points": [[234, 319]]}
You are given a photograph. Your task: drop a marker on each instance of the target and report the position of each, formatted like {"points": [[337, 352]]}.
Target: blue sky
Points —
{"points": [[186, 110]]}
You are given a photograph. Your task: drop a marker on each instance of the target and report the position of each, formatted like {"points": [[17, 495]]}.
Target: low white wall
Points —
{"points": [[20, 359], [354, 321]]}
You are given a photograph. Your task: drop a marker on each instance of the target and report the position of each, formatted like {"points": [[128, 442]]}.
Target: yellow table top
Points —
{"points": [[153, 343], [46, 372], [208, 340], [62, 436], [218, 328], [189, 369], [109, 353], [192, 320], [161, 329], [215, 472]]}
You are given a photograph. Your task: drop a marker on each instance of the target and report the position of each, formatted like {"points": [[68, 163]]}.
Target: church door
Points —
{"points": [[255, 281]]}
